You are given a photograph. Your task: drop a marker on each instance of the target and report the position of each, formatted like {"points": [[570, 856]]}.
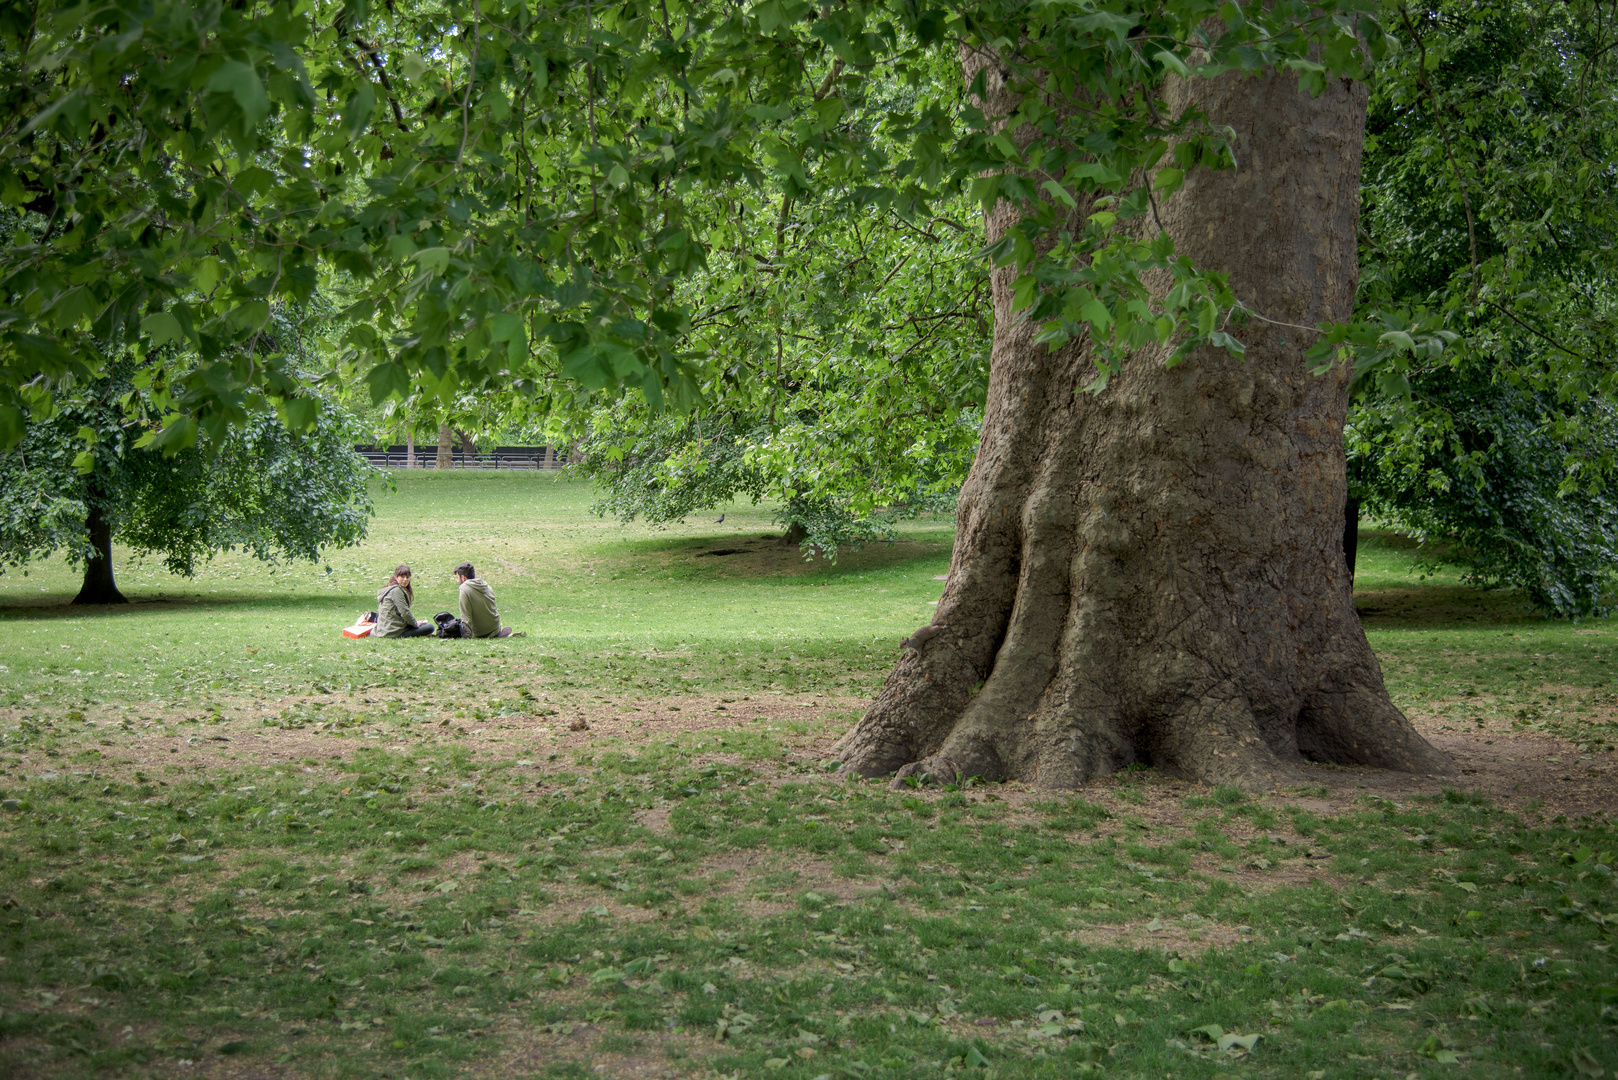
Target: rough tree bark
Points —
{"points": [[98, 587], [1156, 573]]}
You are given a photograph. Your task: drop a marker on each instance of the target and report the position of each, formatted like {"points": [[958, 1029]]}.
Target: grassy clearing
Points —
{"points": [[1476, 660], [608, 849], [626, 607]]}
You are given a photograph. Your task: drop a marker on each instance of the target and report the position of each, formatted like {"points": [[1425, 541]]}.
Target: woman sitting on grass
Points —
{"points": [[393, 618]]}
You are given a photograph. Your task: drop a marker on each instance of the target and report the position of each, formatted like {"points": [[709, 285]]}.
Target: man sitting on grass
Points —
{"points": [[478, 613]]}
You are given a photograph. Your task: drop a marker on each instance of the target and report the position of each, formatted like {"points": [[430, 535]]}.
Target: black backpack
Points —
{"points": [[449, 626]]}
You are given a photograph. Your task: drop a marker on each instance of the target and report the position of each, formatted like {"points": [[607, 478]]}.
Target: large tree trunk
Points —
{"points": [[446, 448], [1155, 574], [98, 587]]}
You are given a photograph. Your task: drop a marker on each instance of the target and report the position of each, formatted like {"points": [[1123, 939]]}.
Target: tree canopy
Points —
{"points": [[515, 193]]}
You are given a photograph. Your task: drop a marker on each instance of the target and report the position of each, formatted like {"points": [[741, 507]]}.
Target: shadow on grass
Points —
{"points": [[771, 558], [1427, 607], [59, 605]]}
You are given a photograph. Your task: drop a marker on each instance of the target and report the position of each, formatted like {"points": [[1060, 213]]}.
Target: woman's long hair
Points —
{"points": [[402, 570]]}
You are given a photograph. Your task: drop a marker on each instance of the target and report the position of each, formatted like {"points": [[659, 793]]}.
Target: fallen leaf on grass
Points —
{"points": [[1585, 1063], [1226, 1042]]}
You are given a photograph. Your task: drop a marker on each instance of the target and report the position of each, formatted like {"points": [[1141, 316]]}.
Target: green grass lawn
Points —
{"points": [[234, 844]]}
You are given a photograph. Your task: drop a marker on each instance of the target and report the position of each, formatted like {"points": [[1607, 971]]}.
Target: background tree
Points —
{"points": [[846, 373], [1485, 481], [262, 489], [1490, 197]]}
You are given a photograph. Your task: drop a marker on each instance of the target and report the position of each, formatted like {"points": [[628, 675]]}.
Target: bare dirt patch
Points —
{"points": [[532, 1050], [157, 741], [1536, 774], [1160, 934], [1540, 775]]}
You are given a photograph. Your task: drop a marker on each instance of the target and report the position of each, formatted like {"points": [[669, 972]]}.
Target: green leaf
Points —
{"points": [[1096, 314], [1172, 63], [1023, 295], [253, 181], [585, 366], [249, 317], [299, 413], [387, 380], [162, 328], [12, 425], [357, 111], [509, 328], [241, 82], [772, 15], [1060, 194], [1398, 339], [401, 247], [180, 433], [1002, 142], [1393, 384], [71, 105], [1093, 170], [1168, 179], [434, 260], [1104, 22]]}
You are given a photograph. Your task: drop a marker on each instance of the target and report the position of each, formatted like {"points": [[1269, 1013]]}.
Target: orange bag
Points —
{"points": [[362, 626]]}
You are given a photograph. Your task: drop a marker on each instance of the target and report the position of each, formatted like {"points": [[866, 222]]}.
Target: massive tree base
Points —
{"points": [[1155, 574]]}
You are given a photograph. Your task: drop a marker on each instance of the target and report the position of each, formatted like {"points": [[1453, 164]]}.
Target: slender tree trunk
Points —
{"points": [[469, 450], [446, 446], [1156, 573], [98, 587], [410, 449]]}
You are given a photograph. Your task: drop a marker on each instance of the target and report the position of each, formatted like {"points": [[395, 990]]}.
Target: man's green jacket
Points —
{"points": [[477, 608]]}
